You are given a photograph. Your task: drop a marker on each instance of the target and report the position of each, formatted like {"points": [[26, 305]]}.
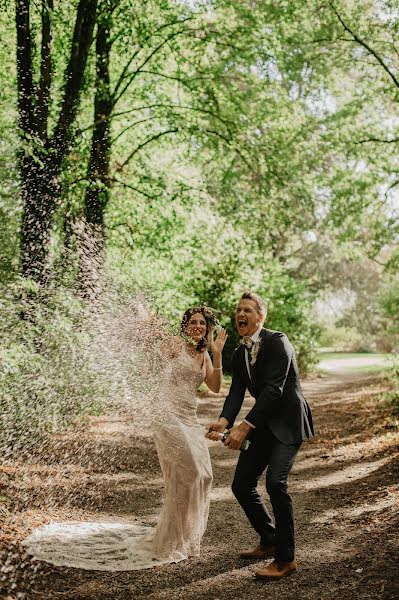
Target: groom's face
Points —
{"points": [[248, 319]]}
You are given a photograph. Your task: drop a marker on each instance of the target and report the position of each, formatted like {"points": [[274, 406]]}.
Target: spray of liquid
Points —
{"points": [[103, 357]]}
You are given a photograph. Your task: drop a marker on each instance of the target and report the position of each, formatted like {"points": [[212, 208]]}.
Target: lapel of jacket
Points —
{"points": [[243, 365], [259, 359]]}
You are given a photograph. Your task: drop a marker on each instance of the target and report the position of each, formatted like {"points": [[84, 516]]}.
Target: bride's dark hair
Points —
{"points": [[211, 321]]}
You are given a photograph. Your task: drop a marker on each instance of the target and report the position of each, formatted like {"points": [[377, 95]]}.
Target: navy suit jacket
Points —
{"points": [[274, 383]]}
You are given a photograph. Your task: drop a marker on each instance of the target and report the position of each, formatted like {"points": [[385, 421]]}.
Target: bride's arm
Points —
{"points": [[213, 377]]}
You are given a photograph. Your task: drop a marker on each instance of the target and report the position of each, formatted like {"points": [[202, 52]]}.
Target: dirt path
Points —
{"points": [[344, 486], [343, 364]]}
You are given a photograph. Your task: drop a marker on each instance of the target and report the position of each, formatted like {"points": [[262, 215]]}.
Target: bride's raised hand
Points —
{"points": [[217, 344]]}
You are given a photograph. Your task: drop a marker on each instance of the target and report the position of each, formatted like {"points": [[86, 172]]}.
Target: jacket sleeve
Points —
{"points": [[278, 359], [235, 397]]}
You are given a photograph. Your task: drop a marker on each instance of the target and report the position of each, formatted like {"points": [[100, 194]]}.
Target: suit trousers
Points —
{"points": [[267, 452]]}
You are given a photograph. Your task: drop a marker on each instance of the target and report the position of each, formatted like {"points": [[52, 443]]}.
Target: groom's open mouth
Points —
{"points": [[242, 323]]}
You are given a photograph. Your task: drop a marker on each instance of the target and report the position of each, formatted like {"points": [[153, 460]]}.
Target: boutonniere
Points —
{"points": [[255, 351]]}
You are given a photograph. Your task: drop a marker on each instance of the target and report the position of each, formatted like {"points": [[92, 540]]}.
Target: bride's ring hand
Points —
{"points": [[213, 435]]}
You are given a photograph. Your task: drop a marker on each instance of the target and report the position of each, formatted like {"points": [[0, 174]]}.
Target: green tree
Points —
{"points": [[42, 151]]}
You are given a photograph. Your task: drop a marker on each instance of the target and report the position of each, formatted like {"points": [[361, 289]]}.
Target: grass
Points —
{"points": [[380, 361], [226, 380], [368, 368], [346, 355]]}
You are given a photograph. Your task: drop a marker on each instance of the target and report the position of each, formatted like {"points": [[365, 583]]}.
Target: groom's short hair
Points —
{"points": [[260, 303]]}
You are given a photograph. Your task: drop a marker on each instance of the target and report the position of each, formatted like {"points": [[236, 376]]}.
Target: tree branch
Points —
{"points": [[131, 59], [26, 90], [45, 71], [81, 42], [382, 264], [117, 97], [377, 140], [122, 224], [229, 143], [361, 42], [225, 122], [122, 113], [131, 229], [131, 127], [391, 187], [132, 187], [175, 78], [205, 111], [142, 145]]}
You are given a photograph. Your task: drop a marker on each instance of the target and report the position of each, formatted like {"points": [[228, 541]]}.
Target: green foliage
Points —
{"points": [[253, 145], [211, 262], [47, 379], [291, 312], [389, 299], [10, 207], [341, 339]]}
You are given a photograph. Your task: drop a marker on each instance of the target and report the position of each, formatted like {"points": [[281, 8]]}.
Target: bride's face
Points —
{"points": [[196, 327]]}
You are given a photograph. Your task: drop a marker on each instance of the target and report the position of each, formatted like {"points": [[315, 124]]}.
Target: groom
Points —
{"points": [[279, 421]]}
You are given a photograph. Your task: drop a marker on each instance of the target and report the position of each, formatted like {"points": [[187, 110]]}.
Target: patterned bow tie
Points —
{"points": [[247, 341]]}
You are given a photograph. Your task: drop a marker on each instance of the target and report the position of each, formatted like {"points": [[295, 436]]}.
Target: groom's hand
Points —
{"points": [[237, 435], [215, 428]]}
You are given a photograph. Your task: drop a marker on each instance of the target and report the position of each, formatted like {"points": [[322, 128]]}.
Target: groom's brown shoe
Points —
{"points": [[259, 553], [276, 570]]}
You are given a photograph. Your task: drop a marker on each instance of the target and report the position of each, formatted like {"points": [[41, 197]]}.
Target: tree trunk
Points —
{"points": [[98, 189], [97, 193], [40, 158], [40, 191]]}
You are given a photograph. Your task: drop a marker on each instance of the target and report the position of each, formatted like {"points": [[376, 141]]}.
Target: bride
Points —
{"points": [[184, 458]]}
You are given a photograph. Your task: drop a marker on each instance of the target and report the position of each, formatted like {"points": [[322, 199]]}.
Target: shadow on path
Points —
{"points": [[344, 486]]}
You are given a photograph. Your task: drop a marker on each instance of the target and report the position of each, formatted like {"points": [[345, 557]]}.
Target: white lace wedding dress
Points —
{"points": [[184, 458]]}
